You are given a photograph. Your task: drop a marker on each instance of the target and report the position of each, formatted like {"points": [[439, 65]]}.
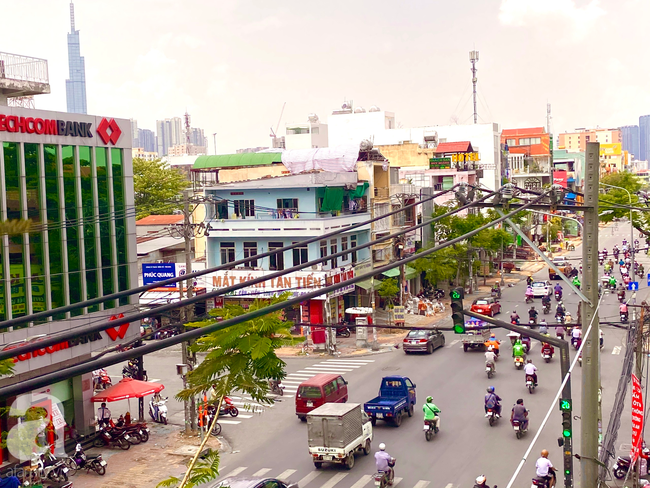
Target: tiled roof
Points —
{"points": [[160, 220], [454, 147], [523, 132]]}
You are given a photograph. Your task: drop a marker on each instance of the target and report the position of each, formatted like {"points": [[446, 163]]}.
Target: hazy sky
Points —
{"points": [[233, 63]]}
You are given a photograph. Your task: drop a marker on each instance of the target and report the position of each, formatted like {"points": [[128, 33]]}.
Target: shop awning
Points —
{"points": [[409, 273], [128, 388], [365, 284], [236, 160]]}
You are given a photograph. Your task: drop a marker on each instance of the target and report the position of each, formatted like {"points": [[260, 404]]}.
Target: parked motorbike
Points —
{"points": [[209, 417], [489, 369], [519, 430], [228, 408], [622, 465], [429, 429], [112, 439], [139, 427], [519, 362], [530, 383], [158, 410], [276, 387], [44, 468], [96, 463], [342, 331], [385, 478]]}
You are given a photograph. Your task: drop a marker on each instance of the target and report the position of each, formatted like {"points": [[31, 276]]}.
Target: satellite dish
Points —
{"points": [[313, 118], [346, 106], [359, 110], [366, 145], [374, 108]]}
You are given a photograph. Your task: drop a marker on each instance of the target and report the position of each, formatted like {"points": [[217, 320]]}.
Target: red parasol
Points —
{"points": [[128, 388]]}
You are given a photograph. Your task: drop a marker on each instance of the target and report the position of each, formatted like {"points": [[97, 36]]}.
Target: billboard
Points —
{"points": [[155, 272]]}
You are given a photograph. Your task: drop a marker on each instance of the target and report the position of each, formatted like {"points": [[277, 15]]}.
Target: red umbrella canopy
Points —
{"points": [[128, 388]]}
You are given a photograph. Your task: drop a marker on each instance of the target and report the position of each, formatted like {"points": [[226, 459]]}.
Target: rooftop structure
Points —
{"points": [[22, 76]]}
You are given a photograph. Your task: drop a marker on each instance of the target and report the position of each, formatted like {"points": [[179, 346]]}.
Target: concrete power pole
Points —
{"points": [[473, 58], [591, 360]]}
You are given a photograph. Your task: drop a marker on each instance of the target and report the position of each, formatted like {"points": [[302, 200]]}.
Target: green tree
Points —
{"points": [[388, 289], [610, 195], [242, 358], [156, 186], [440, 266]]}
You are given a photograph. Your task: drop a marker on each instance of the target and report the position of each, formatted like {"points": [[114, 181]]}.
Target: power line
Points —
{"points": [[89, 366]]}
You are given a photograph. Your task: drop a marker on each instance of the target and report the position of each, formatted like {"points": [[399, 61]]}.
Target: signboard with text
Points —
{"points": [[155, 272], [637, 418]]}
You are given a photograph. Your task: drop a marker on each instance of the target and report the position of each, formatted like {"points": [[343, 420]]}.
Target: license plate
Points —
{"points": [[328, 458], [380, 415], [147, 429], [615, 467], [65, 470], [103, 463], [414, 342], [488, 369], [126, 436], [310, 404], [426, 427], [377, 483], [516, 427]]}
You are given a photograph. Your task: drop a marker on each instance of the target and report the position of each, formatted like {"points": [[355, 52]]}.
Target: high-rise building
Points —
{"points": [[197, 137], [75, 87], [146, 140], [644, 138], [169, 133], [630, 135]]}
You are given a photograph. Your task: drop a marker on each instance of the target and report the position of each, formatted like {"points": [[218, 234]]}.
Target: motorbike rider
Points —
{"points": [[558, 290], [531, 370], [496, 289], [559, 310], [431, 414], [519, 413], [532, 314], [518, 349], [576, 282], [612, 282], [481, 482], [547, 349], [544, 469], [529, 280], [546, 301], [576, 335], [559, 332], [493, 401], [529, 292], [491, 358], [623, 309], [493, 343], [382, 458], [543, 327], [621, 292], [514, 318]]}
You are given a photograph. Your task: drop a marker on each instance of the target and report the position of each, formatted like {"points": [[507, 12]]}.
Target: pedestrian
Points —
{"points": [[103, 416]]}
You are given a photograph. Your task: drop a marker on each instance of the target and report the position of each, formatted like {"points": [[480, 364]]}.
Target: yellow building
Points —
{"points": [[577, 141], [612, 158]]}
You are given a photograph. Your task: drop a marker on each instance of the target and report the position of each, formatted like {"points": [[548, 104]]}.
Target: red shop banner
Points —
{"points": [[637, 419]]}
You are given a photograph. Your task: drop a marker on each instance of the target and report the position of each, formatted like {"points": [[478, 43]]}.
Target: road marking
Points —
{"points": [[326, 369], [453, 343], [155, 380], [285, 474], [342, 365], [291, 381], [262, 472], [396, 481], [244, 416], [616, 350], [288, 396], [330, 483], [450, 485], [422, 484], [298, 375], [350, 360], [363, 481], [322, 371], [236, 471], [329, 367], [229, 422], [309, 478]]}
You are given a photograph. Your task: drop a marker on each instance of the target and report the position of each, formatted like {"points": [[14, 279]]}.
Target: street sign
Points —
{"points": [[633, 285], [648, 279]]}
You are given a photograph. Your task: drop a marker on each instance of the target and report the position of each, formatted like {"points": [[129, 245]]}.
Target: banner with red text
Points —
{"points": [[637, 418]]}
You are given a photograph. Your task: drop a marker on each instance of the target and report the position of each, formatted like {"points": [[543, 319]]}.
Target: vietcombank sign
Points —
{"points": [[108, 130]]}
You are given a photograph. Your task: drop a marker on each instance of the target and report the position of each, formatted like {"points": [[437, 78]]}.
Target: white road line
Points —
{"points": [[229, 422], [327, 370], [291, 381], [262, 472], [288, 396], [155, 380], [252, 404], [330, 483], [298, 376], [331, 366], [285, 474], [616, 350], [350, 360], [330, 372], [453, 343], [450, 485], [236, 471], [309, 478], [343, 365], [396, 481], [422, 484], [363, 481]]}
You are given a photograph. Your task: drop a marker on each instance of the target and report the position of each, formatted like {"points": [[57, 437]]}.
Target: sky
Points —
{"points": [[232, 64]]}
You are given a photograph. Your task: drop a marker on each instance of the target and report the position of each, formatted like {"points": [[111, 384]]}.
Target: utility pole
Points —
{"points": [[473, 58], [591, 360], [638, 346], [214, 136]]}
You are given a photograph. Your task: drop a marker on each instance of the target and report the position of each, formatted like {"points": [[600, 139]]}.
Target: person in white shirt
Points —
{"points": [[490, 358], [531, 370], [545, 469], [576, 336], [103, 415]]}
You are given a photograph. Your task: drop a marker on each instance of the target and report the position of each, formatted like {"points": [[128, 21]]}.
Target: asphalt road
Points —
{"points": [[273, 442]]}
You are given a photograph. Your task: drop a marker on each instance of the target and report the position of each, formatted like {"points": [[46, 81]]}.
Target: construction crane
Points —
{"points": [[273, 134]]}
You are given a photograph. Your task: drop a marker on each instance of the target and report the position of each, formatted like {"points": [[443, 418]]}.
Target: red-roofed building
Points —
{"points": [[528, 152], [155, 224], [454, 147]]}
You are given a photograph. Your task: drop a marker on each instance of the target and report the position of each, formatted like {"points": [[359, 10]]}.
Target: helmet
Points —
{"points": [[490, 389], [382, 447], [429, 399], [492, 335], [529, 361], [480, 480], [491, 348]]}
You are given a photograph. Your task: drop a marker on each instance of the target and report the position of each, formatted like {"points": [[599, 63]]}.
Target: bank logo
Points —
{"points": [[103, 130], [117, 333]]}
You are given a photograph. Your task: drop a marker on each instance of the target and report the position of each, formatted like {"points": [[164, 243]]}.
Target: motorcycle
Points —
{"points": [[525, 341], [601, 260], [209, 417], [96, 463], [227, 407], [529, 299], [492, 416], [622, 465], [519, 362], [342, 331], [429, 429], [101, 380], [276, 387], [137, 432], [547, 308], [158, 410], [530, 383], [575, 342], [621, 297], [624, 318], [558, 296], [547, 355], [540, 482], [42, 468], [519, 430], [385, 478], [112, 439], [496, 294], [489, 369], [532, 321], [131, 371]]}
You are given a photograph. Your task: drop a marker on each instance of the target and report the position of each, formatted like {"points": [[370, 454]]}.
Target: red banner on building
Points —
{"points": [[637, 418]]}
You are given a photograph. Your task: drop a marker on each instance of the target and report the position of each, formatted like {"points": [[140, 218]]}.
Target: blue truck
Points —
{"points": [[396, 397]]}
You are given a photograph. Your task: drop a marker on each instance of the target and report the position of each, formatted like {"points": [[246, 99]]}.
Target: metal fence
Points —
{"points": [[23, 68]]}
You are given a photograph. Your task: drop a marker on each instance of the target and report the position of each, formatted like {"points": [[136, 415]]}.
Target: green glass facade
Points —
{"points": [[77, 247]]}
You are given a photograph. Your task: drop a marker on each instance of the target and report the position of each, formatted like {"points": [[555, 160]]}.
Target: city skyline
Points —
{"points": [[75, 85]]}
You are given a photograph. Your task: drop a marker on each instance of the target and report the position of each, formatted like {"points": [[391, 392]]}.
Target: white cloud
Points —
{"points": [[534, 12]]}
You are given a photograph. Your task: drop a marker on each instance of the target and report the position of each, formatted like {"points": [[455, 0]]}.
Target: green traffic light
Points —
{"points": [[567, 472], [566, 433], [565, 405], [455, 295], [459, 329]]}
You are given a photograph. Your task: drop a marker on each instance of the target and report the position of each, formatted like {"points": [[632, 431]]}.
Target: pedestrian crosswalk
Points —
{"points": [[332, 366], [321, 479]]}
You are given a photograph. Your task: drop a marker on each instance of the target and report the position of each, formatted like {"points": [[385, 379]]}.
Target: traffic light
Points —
{"points": [[566, 424], [457, 315]]}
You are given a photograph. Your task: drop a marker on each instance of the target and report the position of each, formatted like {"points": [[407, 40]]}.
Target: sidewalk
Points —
{"points": [[166, 454]]}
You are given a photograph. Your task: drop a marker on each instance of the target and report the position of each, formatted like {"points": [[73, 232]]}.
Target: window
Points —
{"points": [[344, 247], [333, 250], [300, 255], [250, 250], [221, 209], [288, 204], [323, 249], [341, 381], [309, 392], [245, 208], [536, 140], [409, 384], [511, 142], [330, 388], [227, 252], [353, 244], [276, 261], [524, 142]]}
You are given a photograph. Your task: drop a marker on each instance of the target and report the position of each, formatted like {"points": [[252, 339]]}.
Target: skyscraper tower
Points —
{"points": [[75, 87]]}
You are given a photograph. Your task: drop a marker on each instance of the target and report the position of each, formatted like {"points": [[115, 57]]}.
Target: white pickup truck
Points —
{"points": [[336, 431]]}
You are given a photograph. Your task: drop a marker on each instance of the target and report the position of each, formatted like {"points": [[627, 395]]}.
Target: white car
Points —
{"points": [[542, 288]]}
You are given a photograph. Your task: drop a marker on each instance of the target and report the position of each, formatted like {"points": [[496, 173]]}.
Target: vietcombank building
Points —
{"points": [[72, 176]]}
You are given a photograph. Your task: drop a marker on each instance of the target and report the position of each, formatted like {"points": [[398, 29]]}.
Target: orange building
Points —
{"points": [[528, 156], [532, 142], [577, 141]]}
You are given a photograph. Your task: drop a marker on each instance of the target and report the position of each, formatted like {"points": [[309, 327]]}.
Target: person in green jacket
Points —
{"points": [[518, 349], [431, 414]]}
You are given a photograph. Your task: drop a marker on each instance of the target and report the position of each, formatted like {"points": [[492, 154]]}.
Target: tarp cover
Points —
{"points": [[335, 159], [359, 190]]}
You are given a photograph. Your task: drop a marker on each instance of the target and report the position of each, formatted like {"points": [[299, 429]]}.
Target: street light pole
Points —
{"points": [[214, 136]]}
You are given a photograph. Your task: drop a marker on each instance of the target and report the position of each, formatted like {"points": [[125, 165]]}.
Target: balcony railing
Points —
{"points": [[289, 214], [382, 192], [23, 68]]}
